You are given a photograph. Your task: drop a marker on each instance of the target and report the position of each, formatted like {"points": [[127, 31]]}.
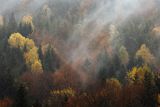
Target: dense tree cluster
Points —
{"points": [[38, 69]]}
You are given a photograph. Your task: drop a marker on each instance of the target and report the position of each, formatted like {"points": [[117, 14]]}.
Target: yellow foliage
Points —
{"points": [[16, 40], [137, 73], [131, 75], [32, 60], [36, 66], [29, 44], [145, 54], [31, 57], [66, 91]]}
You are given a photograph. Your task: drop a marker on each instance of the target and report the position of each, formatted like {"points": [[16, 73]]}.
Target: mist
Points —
{"points": [[111, 13], [102, 16], [79, 53]]}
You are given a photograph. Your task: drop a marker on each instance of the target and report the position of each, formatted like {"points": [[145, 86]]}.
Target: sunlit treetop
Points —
{"points": [[29, 44], [32, 60], [145, 54], [137, 74], [26, 25], [36, 66], [16, 40], [27, 20], [67, 91], [31, 56]]}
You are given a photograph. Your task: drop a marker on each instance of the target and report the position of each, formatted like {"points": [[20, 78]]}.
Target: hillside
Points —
{"points": [[80, 53]]}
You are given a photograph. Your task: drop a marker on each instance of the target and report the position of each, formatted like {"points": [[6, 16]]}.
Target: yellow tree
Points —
{"points": [[36, 66], [16, 40], [32, 60], [145, 54], [31, 57], [29, 43], [137, 74]]}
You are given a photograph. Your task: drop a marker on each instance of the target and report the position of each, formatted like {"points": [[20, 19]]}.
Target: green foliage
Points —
{"points": [[150, 90], [50, 60]]}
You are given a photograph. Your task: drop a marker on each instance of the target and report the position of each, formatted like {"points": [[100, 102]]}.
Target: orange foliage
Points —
{"points": [[6, 102]]}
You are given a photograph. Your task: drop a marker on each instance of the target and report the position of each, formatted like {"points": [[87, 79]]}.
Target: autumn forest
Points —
{"points": [[79, 53]]}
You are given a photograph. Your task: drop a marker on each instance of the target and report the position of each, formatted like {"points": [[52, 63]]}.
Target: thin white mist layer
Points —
{"points": [[106, 12]]}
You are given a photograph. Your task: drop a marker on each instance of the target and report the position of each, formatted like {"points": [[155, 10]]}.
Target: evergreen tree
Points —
{"points": [[21, 98], [37, 104], [26, 26], [150, 90], [12, 24], [51, 61]]}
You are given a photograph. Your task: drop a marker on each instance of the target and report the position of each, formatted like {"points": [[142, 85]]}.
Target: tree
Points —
{"points": [[145, 54], [36, 66], [27, 45], [124, 59], [7, 84], [150, 90], [113, 90], [51, 61], [37, 104], [40, 53], [32, 60], [12, 24], [21, 98], [137, 74], [102, 62], [26, 26], [16, 40], [123, 55]]}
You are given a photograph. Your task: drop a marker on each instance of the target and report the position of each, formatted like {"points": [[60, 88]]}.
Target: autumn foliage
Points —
{"points": [[80, 53]]}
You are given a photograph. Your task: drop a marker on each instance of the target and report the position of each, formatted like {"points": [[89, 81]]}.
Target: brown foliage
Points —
{"points": [[66, 77], [38, 85]]}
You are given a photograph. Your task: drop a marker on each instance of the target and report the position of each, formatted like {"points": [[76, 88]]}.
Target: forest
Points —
{"points": [[79, 53]]}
